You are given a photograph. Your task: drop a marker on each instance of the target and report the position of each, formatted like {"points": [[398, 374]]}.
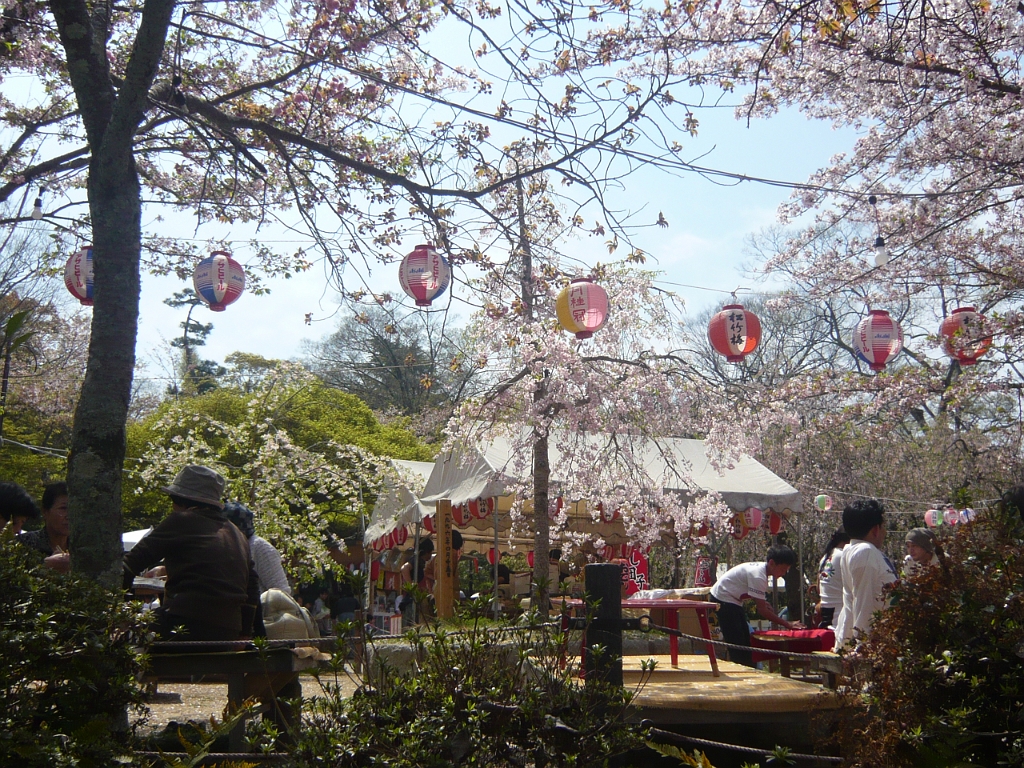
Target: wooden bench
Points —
{"points": [[236, 661]]}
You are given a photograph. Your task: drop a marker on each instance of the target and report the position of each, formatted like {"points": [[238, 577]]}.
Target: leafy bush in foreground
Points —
{"points": [[69, 663], [489, 695], [946, 682]]}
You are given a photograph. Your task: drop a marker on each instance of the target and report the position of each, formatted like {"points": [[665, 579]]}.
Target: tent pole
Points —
{"points": [[497, 559], [416, 571], [800, 560]]}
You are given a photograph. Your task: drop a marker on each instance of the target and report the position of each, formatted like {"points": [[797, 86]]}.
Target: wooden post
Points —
{"points": [[444, 562], [604, 583]]}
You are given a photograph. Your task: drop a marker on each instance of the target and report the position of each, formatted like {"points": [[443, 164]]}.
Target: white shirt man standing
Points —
{"points": [[865, 569]]}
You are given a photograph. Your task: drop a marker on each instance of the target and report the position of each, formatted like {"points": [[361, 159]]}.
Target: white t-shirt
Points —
{"points": [[865, 571], [830, 580], [746, 581]]}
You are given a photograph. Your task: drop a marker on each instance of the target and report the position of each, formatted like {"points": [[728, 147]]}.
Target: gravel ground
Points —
{"points": [[182, 702]]}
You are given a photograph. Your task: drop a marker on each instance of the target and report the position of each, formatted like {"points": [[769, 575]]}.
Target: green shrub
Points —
{"points": [[946, 681], [488, 695], [68, 666]]}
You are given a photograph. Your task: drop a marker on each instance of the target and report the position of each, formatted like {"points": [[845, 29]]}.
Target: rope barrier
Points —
{"points": [[240, 645], [668, 736], [723, 644]]}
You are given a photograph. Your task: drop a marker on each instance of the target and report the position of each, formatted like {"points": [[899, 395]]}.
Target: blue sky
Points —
{"points": [[704, 244]]}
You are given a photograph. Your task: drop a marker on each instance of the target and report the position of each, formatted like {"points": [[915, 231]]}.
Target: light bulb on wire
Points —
{"points": [[37, 209], [881, 252]]}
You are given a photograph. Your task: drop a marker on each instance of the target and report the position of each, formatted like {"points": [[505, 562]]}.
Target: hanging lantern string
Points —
{"points": [[929, 504]]}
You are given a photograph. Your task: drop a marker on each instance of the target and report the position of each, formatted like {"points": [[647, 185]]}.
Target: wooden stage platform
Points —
{"points": [[689, 694]]}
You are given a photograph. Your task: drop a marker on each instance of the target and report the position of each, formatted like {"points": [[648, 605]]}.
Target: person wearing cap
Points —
{"points": [[212, 589], [16, 507], [921, 553], [265, 556]]}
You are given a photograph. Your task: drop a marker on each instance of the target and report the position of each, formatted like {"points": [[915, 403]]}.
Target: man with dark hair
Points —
{"points": [[52, 539], [749, 581], [16, 506], [865, 570], [212, 588]]}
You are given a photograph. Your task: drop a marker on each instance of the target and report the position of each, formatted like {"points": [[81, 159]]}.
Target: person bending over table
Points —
{"points": [[749, 581]]}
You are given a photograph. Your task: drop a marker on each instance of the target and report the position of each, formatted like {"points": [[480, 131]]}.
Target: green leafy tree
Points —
{"points": [[197, 375]]}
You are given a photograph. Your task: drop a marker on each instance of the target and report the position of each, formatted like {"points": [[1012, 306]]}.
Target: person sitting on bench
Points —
{"points": [[212, 590]]}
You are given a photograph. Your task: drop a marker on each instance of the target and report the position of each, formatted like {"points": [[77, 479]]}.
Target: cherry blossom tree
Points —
{"points": [[363, 120]]}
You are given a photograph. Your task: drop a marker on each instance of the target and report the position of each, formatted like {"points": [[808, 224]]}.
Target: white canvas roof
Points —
{"points": [[397, 506], [482, 472]]}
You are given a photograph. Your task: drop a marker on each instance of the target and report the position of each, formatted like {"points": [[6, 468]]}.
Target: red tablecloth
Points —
{"points": [[796, 641]]}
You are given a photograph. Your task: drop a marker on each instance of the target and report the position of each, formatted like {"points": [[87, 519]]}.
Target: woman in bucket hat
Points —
{"points": [[212, 590]]}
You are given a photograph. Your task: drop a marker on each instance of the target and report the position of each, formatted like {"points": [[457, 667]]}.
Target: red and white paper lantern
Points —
{"points": [[424, 274], [734, 332], [400, 535], [428, 524], [582, 307], [219, 280], [877, 339], [78, 275], [963, 335], [753, 517]]}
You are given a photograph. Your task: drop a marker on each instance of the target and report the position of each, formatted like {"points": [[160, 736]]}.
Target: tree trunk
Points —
{"points": [[541, 523], [99, 436]]}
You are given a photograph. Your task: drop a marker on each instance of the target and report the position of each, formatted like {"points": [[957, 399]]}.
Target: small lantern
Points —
{"points": [[582, 307], [775, 523], [739, 530], [734, 332], [460, 514], [968, 515], [219, 280], [753, 517], [428, 524], [475, 508], [823, 502], [490, 555], [424, 274], [951, 516], [933, 518], [963, 335], [877, 339], [401, 535], [78, 275], [529, 558]]}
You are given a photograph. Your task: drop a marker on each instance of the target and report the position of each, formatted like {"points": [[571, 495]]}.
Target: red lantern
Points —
{"points": [[878, 339], [424, 274], [963, 335], [775, 523], [401, 535], [428, 524], [78, 275], [490, 555], [752, 517], [378, 544], [529, 558], [219, 280], [475, 509], [734, 332], [460, 514], [582, 307], [491, 504], [739, 530]]}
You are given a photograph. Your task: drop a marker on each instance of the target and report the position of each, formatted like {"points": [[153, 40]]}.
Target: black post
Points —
{"points": [[604, 583]]}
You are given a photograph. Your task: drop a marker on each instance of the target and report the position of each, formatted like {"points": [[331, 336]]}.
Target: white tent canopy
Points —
{"points": [[485, 471], [397, 506]]}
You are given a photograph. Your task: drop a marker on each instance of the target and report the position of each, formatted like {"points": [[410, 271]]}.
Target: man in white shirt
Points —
{"points": [[865, 570], [749, 581]]}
